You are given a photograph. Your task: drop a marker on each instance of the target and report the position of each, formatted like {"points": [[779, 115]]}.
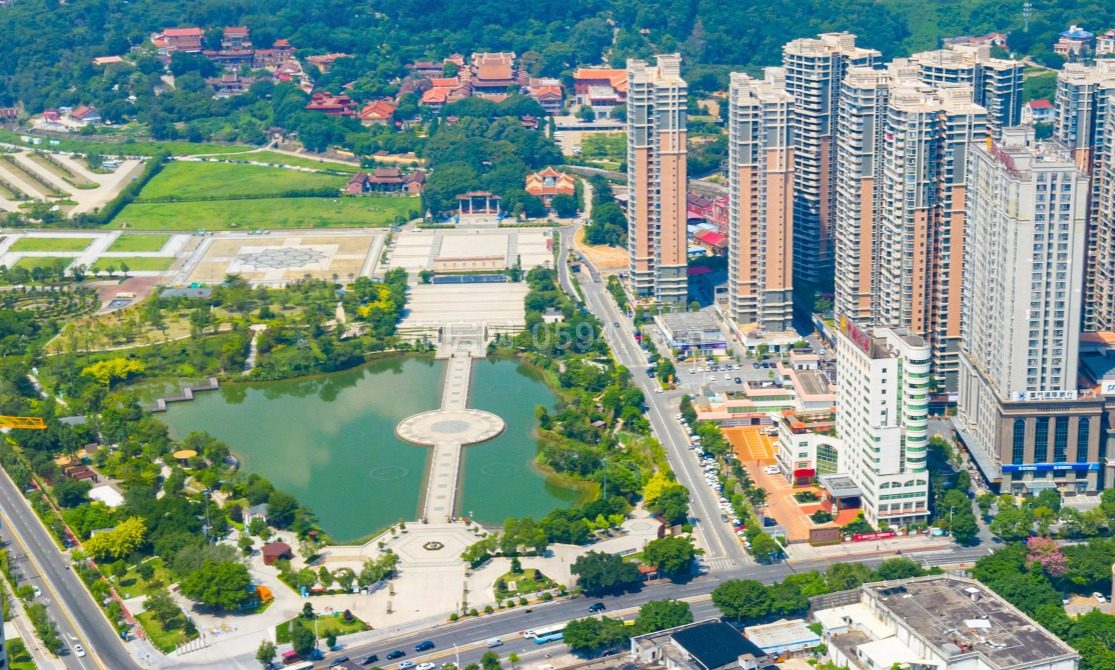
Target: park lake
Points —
{"points": [[330, 441]]}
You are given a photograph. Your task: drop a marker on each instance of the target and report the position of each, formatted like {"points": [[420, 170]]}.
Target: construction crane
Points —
{"points": [[24, 422]]}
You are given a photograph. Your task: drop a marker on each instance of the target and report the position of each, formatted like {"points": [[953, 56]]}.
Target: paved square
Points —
{"points": [[278, 259]]}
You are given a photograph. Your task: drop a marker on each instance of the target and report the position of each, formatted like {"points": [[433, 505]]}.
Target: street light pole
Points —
{"points": [[205, 492], [457, 656]]}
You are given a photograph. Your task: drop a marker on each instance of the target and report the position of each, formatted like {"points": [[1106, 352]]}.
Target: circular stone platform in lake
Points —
{"points": [[463, 426]]}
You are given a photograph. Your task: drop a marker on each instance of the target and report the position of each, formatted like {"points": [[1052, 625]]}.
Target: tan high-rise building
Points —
{"points": [[656, 179], [814, 69], [760, 181], [860, 155], [1084, 122], [920, 243], [996, 82]]}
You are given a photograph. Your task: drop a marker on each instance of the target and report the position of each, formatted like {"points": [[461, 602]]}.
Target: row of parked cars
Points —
{"points": [[712, 477]]}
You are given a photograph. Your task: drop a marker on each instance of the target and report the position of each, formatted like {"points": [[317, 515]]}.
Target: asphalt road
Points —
{"points": [[723, 548], [470, 636], [67, 601]]}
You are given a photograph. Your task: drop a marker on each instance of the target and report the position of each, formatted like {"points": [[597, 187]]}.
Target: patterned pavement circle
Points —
{"points": [[283, 259], [458, 426]]}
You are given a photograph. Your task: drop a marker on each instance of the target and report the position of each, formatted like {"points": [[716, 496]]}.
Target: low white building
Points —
{"points": [[939, 622]]}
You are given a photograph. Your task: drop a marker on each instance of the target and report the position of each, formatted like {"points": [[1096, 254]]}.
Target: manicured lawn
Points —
{"points": [[137, 242], [275, 158], [32, 262], [135, 263], [267, 213], [128, 148], [525, 582], [166, 640], [131, 585], [192, 181], [25, 244], [325, 624], [610, 146]]}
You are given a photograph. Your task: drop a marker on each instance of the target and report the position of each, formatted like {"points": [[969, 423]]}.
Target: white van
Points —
{"points": [[495, 642]]}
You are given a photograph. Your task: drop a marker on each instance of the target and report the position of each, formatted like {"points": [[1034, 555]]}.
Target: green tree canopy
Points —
{"points": [[598, 572]]}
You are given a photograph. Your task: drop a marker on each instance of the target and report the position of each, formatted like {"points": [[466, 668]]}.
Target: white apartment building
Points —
{"points": [[656, 179], [996, 82], [814, 69], [882, 404], [1084, 116], [760, 215], [860, 156]]}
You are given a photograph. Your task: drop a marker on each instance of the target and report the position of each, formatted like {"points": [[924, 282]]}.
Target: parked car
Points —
{"points": [[771, 470], [1100, 598], [424, 645]]}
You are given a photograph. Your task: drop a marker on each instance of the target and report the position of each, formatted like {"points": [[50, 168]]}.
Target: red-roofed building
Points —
{"points": [[710, 210], [84, 115], [600, 88], [333, 105], [378, 113], [493, 74], [280, 53], [713, 242], [9, 116], [174, 40], [1038, 111], [549, 182], [427, 68], [236, 38], [274, 551], [548, 93]]}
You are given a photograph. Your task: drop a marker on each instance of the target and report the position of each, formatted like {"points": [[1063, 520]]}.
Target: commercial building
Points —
{"points": [[996, 82], [705, 645], [1020, 412], [692, 332], [814, 69], [882, 404], [940, 622], [656, 180], [807, 446], [760, 183], [1085, 124], [783, 638]]}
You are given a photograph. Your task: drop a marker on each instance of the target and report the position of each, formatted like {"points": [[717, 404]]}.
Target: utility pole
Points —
{"points": [[604, 496], [1027, 12]]}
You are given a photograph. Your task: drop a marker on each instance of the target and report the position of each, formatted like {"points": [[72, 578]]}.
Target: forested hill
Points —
{"points": [[48, 46]]}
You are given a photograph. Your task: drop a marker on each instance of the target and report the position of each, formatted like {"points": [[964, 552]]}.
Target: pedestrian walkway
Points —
{"points": [[447, 430]]}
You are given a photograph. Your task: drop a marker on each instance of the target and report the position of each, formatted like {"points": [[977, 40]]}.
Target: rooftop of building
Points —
{"points": [[689, 321], [960, 616], [810, 382], [827, 44], [782, 634]]}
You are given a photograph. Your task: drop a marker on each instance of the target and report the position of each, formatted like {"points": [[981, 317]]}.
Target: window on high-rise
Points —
{"points": [[1041, 440], [1060, 439], [1018, 448], [1083, 430]]}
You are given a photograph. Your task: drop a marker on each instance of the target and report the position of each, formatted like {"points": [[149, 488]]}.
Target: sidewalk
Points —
{"points": [[43, 658], [802, 552]]}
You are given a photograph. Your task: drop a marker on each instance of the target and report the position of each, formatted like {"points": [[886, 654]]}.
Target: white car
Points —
{"points": [[79, 651], [772, 470], [425, 666], [712, 378], [1100, 598], [692, 371]]}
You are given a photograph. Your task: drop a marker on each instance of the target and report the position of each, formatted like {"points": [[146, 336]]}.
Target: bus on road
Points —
{"points": [[548, 634]]}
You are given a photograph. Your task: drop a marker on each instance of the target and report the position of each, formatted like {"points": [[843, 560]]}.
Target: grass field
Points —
{"points": [[26, 244], [31, 262], [275, 158], [129, 148], [325, 625], [165, 640], [193, 181], [267, 213], [135, 263], [138, 242]]}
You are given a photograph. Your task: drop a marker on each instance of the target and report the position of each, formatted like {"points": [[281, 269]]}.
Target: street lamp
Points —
{"points": [[205, 492]]}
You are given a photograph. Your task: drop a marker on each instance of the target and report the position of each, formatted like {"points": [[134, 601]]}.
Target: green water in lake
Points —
{"points": [[329, 440]]}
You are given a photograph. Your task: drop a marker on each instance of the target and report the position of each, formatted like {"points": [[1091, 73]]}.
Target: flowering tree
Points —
{"points": [[1047, 553]]}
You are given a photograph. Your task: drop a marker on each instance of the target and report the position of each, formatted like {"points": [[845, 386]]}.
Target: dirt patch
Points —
{"points": [[602, 257], [140, 286]]}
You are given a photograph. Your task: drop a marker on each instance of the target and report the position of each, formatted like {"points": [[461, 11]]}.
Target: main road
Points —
{"points": [[68, 603], [467, 640], [723, 549]]}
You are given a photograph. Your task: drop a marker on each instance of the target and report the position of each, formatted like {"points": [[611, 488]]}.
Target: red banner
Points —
{"points": [[867, 537]]}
